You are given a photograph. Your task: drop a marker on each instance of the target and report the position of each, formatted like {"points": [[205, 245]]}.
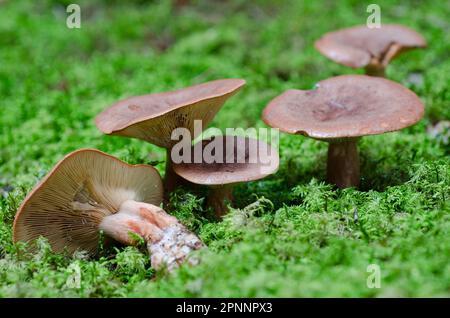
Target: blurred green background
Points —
{"points": [[290, 234]]}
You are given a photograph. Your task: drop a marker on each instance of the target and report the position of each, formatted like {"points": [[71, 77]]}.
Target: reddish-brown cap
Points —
{"points": [[229, 159], [153, 117], [345, 106], [67, 206], [361, 46]]}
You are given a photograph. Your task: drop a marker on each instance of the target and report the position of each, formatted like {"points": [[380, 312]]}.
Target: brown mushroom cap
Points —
{"points": [[153, 117], [360, 46], [248, 162], [345, 106], [68, 205]]}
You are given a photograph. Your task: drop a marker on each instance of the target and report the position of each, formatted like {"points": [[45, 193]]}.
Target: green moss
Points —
{"points": [[290, 234]]}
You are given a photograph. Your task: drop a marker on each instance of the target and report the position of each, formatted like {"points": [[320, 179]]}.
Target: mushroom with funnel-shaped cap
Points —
{"points": [[372, 49], [89, 191], [226, 161], [340, 110], [154, 117]]}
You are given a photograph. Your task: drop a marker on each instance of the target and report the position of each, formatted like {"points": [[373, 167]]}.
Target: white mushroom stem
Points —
{"points": [[168, 241]]}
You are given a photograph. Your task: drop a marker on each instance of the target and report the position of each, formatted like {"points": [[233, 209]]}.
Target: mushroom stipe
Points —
{"points": [[343, 163]]}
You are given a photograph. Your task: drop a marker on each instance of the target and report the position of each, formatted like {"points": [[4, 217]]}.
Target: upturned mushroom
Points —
{"points": [[340, 110], [371, 49], [89, 191], [226, 161], [154, 117]]}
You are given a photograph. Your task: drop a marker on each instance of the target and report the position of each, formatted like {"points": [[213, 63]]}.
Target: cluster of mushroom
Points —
{"points": [[89, 191], [342, 109], [154, 117]]}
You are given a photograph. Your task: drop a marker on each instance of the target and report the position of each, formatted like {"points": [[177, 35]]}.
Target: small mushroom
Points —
{"points": [[89, 191], [226, 161], [154, 117], [340, 110], [372, 49]]}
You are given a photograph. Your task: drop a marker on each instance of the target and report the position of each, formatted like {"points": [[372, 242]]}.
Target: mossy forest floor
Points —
{"points": [[291, 234]]}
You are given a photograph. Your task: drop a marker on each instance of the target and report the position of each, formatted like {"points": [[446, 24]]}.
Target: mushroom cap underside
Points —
{"points": [[153, 117], [67, 206]]}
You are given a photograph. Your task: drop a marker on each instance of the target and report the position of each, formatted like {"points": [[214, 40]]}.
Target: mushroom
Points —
{"points": [[154, 117], [340, 110], [440, 132], [89, 191], [373, 49], [226, 161]]}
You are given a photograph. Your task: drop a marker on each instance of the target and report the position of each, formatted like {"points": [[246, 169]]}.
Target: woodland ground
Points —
{"points": [[291, 234]]}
